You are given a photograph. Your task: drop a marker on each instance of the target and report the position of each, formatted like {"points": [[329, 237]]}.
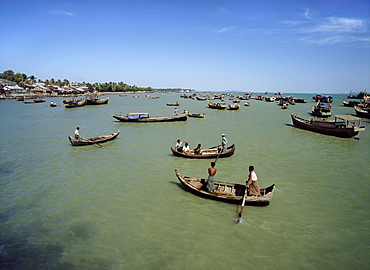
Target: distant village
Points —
{"points": [[9, 89]]}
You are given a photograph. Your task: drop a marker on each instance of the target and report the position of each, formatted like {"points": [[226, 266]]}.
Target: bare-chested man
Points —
{"points": [[211, 177]]}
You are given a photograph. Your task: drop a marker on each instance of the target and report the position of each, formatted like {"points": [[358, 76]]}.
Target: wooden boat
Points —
{"points": [[38, 100], [201, 98], [321, 110], [96, 101], [225, 191], [74, 103], [300, 100], [217, 105], [343, 126], [247, 104], [173, 104], [212, 152], [145, 118], [361, 95], [350, 103], [94, 140], [362, 112], [234, 107], [196, 115], [324, 99], [284, 106], [53, 104]]}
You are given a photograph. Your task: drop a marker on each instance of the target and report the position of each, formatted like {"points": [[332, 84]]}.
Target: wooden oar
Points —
{"points": [[218, 156], [215, 146], [241, 208], [91, 141]]}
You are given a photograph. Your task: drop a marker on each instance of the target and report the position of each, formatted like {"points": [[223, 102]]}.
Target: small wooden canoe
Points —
{"points": [[197, 115], [173, 104], [144, 118], [233, 107], [38, 100], [225, 191], [206, 153], [362, 112], [74, 103], [94, 140], [217, 105], [96, 101]]}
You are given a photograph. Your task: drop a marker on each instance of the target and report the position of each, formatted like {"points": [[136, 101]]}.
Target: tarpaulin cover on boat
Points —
{"points": [[137, 115]]}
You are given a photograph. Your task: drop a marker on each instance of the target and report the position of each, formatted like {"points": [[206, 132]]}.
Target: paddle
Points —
{"points": [[218, 156], [241, 208], [91, 141]]}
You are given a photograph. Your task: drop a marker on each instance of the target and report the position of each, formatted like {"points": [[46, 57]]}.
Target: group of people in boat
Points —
{"points": [[198, 150], [251, 185]]}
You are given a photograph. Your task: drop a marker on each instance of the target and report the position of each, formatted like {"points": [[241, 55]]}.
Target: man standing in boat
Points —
{"points": [[252, 186], [211, 177], [224, 143], [77, 133]]}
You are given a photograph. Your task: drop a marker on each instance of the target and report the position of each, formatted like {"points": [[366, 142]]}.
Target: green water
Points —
{"points": [[120, 206]]}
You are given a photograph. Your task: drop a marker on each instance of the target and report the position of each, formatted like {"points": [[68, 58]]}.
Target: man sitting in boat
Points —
{"points": [[198, 150], [186, 148], [179, 146], [77, 133]]}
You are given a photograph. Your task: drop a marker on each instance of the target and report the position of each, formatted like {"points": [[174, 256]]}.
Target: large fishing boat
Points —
{"points": [[145, 118], [345, 126]]}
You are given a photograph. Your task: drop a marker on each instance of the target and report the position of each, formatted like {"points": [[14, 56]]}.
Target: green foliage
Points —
{"points": [[21, 79]]}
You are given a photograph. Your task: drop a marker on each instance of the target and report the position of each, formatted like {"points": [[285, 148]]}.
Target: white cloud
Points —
{"points": [[329, 30], [334, 24], [62, 13], [225, 29]]}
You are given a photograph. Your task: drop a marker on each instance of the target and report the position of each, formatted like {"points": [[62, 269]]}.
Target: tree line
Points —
{"points": [[22, 79]]}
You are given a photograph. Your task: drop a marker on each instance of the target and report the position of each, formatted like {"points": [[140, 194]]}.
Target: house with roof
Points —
{"points": [[9, 89], [4, 83]]}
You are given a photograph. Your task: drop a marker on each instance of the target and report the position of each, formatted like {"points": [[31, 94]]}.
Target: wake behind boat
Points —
{"points": [[212, 152], [144, 117], [226, 192], [94, 140]]}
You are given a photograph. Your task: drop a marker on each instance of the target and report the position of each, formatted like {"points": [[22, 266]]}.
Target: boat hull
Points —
{"points": [[217, 106], [225, 191], [361, 112], [123, 118], [95, 101], [329, 128], [207, 153], [74, 104], [94, 140]]}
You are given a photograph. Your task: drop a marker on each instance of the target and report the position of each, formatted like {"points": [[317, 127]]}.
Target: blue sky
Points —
{"points": [[315, 46]]}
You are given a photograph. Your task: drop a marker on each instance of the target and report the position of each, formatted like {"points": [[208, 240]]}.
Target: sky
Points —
{"points": [[295, 46]]}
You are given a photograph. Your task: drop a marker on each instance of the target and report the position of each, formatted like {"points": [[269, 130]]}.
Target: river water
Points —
{"points": [[120, 206]]}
